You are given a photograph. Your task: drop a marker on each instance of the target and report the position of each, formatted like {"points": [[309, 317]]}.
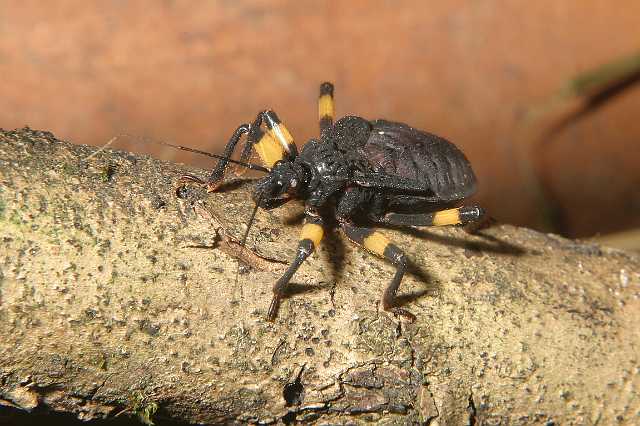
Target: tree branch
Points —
{"points": [[117, 295]]}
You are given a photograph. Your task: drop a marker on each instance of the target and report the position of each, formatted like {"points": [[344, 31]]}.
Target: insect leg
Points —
{"points": [[310, 237], [215, 178], [383, 181], [326, 109], [217, 174], [273, 145], [457, 216], [378, 244]]}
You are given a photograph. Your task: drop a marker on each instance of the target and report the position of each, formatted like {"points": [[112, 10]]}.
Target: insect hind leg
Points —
{"points": [[326, 107], [456, 216]]}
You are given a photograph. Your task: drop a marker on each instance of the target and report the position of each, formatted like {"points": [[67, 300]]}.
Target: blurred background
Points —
{"points": [[541, 96]]}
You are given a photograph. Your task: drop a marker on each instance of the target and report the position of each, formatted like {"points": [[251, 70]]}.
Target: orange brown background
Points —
{"points": [[189, 72]]}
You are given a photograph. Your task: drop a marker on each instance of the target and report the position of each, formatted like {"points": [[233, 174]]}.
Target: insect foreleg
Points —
{"points": [[217, 174]]}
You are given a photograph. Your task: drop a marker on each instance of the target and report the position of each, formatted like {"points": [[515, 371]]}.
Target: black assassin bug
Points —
{"points": [[361, 172]]}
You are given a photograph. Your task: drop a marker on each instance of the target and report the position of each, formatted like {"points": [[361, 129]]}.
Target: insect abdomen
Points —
{"points": [[397, 149]]}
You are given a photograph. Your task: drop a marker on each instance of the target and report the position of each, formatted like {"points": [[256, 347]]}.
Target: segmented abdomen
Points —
{"points": [[398, 149]]}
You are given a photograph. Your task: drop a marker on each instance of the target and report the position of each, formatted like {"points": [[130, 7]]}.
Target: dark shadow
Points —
{"points": [[336, 253], [404, 299], [293, 289], [332, 241], [491, 244], [431, 287], [296, 219], [293, 392], [496, 245], [420, 274], [41, 416]]}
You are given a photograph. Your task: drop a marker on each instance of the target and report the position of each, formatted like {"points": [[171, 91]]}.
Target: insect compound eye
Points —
{"points": [[293, 183]]}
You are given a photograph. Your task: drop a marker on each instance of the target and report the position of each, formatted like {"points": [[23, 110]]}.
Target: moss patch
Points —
{"points": [[143, 408]]}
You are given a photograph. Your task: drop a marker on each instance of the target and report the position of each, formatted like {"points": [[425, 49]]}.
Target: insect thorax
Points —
{"points": [[329, 171]]}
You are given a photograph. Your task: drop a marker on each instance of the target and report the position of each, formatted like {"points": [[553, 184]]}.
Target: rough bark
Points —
{"points": [[117, 293]]}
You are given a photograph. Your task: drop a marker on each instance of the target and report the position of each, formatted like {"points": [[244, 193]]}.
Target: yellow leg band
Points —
{"points": [[280, 133], [325, 107], [376, 243], [313, 232], [446, 217], [269, 150]]}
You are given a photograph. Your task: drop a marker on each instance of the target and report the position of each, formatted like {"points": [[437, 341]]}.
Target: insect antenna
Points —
{"points": [[249, 166], [243, 242]]}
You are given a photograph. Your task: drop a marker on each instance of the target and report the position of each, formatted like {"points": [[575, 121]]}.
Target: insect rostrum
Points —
{"points": [[363, 173]]}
